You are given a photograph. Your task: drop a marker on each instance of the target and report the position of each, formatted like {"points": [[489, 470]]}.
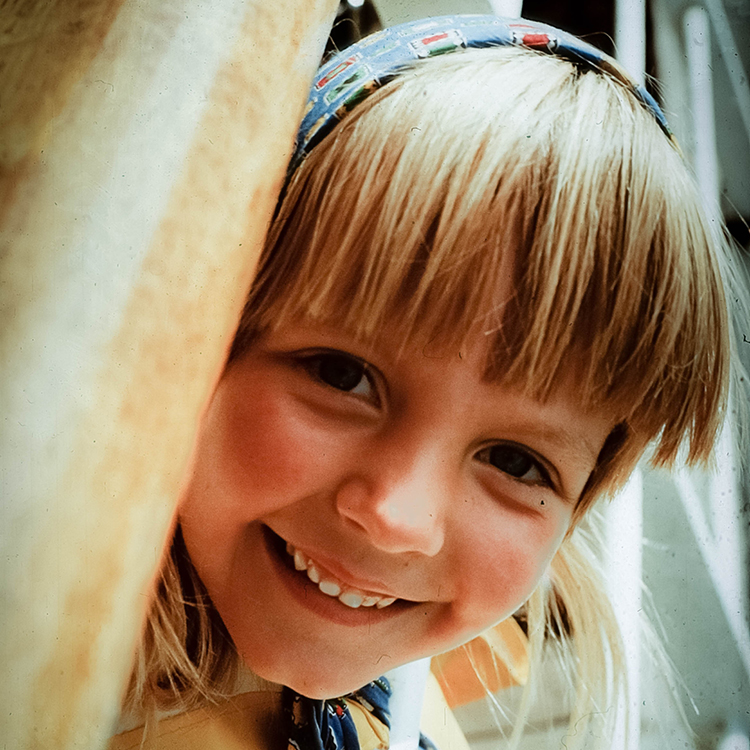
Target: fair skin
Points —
{"points": [[409, 477]]}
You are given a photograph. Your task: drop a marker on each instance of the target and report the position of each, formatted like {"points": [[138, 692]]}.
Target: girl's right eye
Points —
{"points": [[343, 372]]}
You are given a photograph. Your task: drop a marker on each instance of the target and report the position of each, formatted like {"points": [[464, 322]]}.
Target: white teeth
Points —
{"points": [[330, 587], [299, 561], [352, 598], [384, 602]]}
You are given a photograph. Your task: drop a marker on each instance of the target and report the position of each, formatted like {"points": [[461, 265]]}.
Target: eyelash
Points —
{"points": [[313, 363], [543, 479]]}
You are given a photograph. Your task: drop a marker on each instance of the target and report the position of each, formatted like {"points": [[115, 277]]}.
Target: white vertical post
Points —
{"points": [[630, 36], [408, 683], [625, 518], [726, 520], [507, 8], [623, 538], [698, 51]]}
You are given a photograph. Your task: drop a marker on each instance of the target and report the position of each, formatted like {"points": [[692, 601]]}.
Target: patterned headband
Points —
{"points": [[352, 75]]}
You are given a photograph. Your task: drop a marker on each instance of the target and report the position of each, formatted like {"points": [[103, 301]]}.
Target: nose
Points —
{"points": [[399, 511]]}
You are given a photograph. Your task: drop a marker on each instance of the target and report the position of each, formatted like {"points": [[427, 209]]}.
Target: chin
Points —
{"points": [[313, 682], [325, 691]]}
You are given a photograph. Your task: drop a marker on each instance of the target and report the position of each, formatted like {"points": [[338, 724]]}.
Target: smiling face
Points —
{"points": [[409, 478]]}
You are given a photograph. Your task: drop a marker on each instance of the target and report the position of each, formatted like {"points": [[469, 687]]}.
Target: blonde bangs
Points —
{"points": [[505, 164]]}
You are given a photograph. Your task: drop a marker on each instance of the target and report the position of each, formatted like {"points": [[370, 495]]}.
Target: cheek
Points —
{"points": [[261, 453], [253, 456], [265, 455], [256, 455], [504, 556]]}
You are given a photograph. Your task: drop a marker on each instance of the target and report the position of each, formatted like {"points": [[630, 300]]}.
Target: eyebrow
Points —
{"points": [[564, 437], [561, 438]]}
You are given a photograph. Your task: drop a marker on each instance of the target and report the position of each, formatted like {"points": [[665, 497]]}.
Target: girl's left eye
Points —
{"points": [[517, 462], [343, 372]]}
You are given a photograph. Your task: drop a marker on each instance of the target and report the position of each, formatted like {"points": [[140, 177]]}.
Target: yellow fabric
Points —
{"points": [[494, 660], [246, 722], [372, 734]]}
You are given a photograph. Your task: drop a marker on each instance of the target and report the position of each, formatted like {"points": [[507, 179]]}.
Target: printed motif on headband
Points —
{"points": [[331, 75], [352, 75], [438, 44]]}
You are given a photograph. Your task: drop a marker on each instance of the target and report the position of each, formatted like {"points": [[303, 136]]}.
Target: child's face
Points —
{"points": [[412, 478]]}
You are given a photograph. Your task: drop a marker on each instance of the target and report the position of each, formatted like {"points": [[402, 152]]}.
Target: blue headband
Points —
{"points": [[352, 75]]}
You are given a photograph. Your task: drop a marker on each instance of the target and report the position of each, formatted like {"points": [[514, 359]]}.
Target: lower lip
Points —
{"points": [[307, 594]]}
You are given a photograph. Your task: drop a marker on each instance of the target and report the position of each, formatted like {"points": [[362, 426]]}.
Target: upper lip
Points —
{"points": [[340, 571], [336, 568]]}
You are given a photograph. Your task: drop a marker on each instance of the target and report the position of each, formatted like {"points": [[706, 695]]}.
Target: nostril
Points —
{"points": [[351, 499]]}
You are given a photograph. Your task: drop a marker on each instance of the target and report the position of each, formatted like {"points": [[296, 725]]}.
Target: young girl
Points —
{"points": [[488, 288]]}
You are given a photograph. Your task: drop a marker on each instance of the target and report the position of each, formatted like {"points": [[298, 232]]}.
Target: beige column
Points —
{"points": [[142, 145]]}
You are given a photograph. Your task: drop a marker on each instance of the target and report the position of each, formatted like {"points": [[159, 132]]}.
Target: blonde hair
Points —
{"points": [[418, 204], [462, 171]]}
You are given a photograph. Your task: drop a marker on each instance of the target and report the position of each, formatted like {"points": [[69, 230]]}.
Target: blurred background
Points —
{"points": [[686, 535]]}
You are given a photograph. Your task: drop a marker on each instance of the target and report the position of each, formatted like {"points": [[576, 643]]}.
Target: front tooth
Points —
{"points": [[351, 599], [299, 560], [330, 587]]}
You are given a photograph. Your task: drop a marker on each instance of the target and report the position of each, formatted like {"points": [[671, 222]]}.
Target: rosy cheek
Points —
{"points": [[268, 452], [515, 574], [505, 562]]}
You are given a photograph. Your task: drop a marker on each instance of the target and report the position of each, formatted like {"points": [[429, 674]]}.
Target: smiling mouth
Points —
{"points": [[334, 587], [328, 584]]}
